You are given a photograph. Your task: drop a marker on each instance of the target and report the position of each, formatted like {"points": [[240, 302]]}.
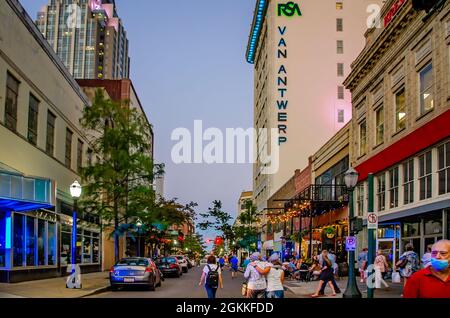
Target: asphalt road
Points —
{"points": [[184, 287]]}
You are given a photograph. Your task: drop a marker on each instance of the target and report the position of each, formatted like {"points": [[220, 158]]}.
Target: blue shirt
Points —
{"points": [[221, 261], [234, 261]]}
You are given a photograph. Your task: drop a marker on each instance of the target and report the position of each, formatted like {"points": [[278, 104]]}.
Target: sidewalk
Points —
{"points": [[306, 289], [56, 287]]}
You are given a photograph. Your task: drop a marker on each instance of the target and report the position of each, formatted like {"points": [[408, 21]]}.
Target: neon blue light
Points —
{"points": [[256, 31], [8, 232]]}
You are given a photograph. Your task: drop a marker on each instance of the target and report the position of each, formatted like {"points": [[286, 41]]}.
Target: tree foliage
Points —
{"points": [[247, 230], [218, 220]]}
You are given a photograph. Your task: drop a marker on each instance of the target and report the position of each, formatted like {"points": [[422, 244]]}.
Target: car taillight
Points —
{"points": [[111, 269], [148, 270], [173, 265]]}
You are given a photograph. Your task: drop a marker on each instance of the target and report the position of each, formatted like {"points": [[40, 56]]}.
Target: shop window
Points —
{"points": [[41, 242], [2, 239], [408, 181], [66, 242], [87, 248], [19, 239], [79, 246], [411, 229], [425, 176], [444, 168], [393, 188], [95, 250], [30, 241], [51, 258], [433, 226]]}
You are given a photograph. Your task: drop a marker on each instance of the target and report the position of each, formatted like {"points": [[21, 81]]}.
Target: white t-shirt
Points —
{"points": [[274, 279], [255, 280], [213, 268]]}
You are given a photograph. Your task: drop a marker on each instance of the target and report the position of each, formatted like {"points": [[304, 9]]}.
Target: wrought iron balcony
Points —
{"points": [[324, 193]]}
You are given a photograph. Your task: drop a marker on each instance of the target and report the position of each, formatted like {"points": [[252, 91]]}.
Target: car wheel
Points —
{"points": [[151, 286], [185, 270], [114, 287], [177, 275], [160, 280]]}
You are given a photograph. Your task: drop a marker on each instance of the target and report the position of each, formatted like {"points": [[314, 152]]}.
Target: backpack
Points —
{"points": [[212, 280]]}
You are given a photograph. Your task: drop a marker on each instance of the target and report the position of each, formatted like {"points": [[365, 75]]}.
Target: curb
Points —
{"points": [[96, 291]]}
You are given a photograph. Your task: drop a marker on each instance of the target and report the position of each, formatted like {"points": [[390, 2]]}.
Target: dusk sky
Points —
{"points": [[188, 63]]}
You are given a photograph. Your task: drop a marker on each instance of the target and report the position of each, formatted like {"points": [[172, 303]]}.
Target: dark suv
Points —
{"points": [[169, 266]]}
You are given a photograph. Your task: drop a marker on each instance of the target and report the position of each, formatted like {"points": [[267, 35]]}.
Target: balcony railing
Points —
{"points": [[20, 193]]}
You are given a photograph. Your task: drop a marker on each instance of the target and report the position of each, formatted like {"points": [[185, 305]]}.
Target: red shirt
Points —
{"points": [[423, 284]]}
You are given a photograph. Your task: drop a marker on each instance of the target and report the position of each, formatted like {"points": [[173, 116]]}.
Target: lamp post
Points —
{"points": [[139, 225], [351, 291], [75, 192]]}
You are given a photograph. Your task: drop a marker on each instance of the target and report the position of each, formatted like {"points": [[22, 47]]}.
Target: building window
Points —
{"points": [[362, 138], [12, 92], [444, 168], [339, 5], [79, 155], [408, 182], [379, 124], [381, 192], [340, 92], [2, 239], [393, 187], [89, 157], [50, 139], [33, 110], [425, 175], [340, 69], [360, 199], [30, 241], [341, 117], [426, 89], [339, 25], [340, 47], [400, 110], [68, 153]]}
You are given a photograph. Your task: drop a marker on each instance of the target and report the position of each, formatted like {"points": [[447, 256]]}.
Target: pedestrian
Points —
{"points": [[331, 279], [275, 277], [212, 277], [314, 270], [362, 264], [221, 262], [245, 263], [234, 265], [408, 263], [426, 258], [326, 276], [433, 281], [381, 266], [256, 287]]}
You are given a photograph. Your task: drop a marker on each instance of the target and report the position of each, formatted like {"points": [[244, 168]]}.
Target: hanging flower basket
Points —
{"points": [[329, 232]]}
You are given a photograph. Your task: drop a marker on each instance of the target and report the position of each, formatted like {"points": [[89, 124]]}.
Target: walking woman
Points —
{"points": [[381, 267], [212, 277], [326, 275], [408, 262]]}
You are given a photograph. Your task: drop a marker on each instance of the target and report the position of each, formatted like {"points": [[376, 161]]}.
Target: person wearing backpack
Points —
{"points": [[212, 277]]}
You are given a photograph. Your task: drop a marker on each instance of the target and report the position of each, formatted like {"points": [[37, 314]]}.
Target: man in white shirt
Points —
{"points": [[257, 285]]}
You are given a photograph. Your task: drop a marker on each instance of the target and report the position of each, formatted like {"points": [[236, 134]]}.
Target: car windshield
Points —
{"points": [[133, 262]]}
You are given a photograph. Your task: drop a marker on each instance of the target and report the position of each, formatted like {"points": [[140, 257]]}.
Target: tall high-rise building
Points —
{"points": [[88, 36], [302, 51]]}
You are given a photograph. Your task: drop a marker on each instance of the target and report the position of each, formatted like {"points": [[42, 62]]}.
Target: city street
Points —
{"points": [[184, 287]]}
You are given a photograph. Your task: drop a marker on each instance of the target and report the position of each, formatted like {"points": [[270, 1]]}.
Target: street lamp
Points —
{"points": [[352, 291], [75, 192], [139, 224]]}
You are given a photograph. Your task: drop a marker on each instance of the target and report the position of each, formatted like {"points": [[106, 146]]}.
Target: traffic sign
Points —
{"points": [[372, 221], [350, 243]]}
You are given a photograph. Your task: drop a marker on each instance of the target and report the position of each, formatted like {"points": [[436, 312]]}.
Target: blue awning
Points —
{"points": [[19, 193]]}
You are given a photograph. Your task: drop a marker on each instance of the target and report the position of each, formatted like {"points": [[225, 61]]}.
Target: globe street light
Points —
{"points": [[352, 291], [139, 225], [75, 192]]}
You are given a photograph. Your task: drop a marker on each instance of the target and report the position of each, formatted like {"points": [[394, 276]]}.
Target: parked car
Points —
{"points": [[135, 271], [183, 262], [169, 266]]}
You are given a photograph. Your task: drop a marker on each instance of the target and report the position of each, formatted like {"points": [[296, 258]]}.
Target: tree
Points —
{"points": [[218, 220], [193, 245], [247, 231], [118, 187]]}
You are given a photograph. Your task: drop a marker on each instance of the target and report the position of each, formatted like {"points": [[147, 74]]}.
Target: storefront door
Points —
{"points": [[389, 249]]}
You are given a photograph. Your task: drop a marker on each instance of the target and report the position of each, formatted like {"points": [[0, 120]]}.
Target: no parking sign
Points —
{"points": [[350, 243]]}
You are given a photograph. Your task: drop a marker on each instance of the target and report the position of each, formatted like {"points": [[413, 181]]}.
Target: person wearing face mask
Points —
{"points": [[433, 281]]}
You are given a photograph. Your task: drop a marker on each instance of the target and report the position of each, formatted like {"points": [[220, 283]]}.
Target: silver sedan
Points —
{"points": [[135, 271]]}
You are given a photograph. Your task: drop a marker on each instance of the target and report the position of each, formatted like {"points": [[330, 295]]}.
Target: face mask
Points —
{"points": [[439, 264]]}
